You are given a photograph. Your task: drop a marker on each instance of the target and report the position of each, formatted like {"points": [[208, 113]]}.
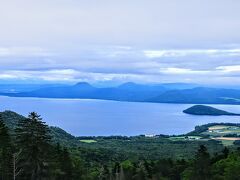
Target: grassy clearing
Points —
{"points": [[184, 138], [227, 138], [222, 130], [88, 141], [227, 142], [217, 133], [218, 127]]}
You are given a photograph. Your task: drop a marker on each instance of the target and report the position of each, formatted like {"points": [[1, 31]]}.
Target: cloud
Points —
{"points": [[229, 69], [179, 71], [191, 52], [24, 52], [59, 23], [122, 40], [64, 75], [118, 63]]}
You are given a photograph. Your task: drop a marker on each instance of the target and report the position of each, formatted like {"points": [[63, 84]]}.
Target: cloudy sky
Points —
{"points": [[145, 41]]}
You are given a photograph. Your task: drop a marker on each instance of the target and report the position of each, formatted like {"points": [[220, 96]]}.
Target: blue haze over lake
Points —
{"points": [[100, 117]]}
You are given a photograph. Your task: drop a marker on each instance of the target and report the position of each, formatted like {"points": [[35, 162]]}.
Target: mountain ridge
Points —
{"points": [[132, 92]]}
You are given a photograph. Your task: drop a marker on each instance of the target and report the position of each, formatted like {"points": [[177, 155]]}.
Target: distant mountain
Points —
{"points": [[207, 110], [157, 93], [80, 90], [178, 86], [199, 96], [17, 88], [142, 87], [83, 90]]}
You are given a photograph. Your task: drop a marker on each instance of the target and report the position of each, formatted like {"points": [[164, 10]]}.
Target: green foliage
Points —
{"points": [[63, 157], [201, 165], [62, 165], [151, 148], [6, 152], [200, 129], [33, 140], [227, 168]]}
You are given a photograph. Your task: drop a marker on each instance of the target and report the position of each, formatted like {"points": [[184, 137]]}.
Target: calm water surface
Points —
{"points": [[99, 117]]}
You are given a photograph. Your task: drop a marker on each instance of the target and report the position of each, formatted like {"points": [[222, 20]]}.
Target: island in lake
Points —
{"points": [[207, 110]]}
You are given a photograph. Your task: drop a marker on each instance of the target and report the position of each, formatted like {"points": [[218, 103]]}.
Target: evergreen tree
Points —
{"points": [[66, 165], [79, 170], [6, 152], [61, 164], [104, 173], [202, 164], [55, 163], [116, 171], [32, 137], [225, 152]]}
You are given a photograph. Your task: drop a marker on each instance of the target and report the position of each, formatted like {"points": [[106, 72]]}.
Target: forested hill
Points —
{"points": [[11, 120], [193, 156], [207, 110]]}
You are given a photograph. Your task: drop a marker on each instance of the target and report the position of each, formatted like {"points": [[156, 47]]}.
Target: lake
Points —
{"points": [[99, 117]]}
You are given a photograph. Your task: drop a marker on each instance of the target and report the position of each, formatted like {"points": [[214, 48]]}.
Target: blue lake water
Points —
{"points": [[100, 117]]}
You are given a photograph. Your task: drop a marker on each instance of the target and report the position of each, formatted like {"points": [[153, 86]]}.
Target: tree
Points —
{"points": [[32, 137], [16, 169], [202, 165], [66, 165], [6, 151], [141, 172], [225, 152]]}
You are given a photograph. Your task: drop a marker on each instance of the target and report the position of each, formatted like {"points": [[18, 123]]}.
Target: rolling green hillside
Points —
{"points": [[135, 146], [58, 135], [93, 158]]}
